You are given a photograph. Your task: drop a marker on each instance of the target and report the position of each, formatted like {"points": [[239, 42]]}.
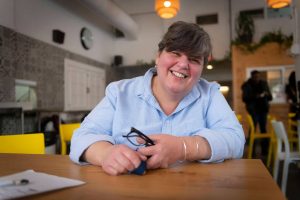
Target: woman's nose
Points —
{"points": [[183, 61]]}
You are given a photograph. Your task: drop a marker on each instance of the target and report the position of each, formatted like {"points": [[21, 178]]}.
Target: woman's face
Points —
{"points": [[177, 73]]}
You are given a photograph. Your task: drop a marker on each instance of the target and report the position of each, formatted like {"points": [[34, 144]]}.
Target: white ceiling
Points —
{"points": [[136, 6]]}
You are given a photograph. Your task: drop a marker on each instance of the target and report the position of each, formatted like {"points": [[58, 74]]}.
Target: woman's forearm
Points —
{"points": [[196, 148], [95, 153]]}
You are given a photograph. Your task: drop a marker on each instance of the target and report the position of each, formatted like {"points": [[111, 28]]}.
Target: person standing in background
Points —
{"points": [[291, 92], [256, 96]]}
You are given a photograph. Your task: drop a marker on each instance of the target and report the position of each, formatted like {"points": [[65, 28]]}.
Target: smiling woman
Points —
{"points": [[186, 118]]}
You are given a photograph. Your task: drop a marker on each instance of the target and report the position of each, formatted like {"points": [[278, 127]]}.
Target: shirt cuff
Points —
{"points": [[218, 153], [80, 145]]}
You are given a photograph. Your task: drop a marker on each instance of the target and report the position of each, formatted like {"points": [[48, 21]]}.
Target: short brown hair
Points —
{"points": [[188, 38]]}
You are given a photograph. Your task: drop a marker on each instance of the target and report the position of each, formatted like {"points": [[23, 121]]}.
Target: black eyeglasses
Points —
{"points": [[134, 133]]}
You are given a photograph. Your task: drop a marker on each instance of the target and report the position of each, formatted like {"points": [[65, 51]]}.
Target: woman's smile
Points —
{"points": [[178, 74]]}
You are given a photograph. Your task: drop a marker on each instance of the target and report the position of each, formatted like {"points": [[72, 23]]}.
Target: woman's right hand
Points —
{"points": [[120, 159]]}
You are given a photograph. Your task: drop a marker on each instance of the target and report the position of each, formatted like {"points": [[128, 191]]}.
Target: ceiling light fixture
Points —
{"points": [[167, 9], [209, 67], [276, 4], [224, 89]]}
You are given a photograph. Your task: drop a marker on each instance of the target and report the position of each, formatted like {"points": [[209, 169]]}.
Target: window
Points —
{"points": [[25, 91], [277, 78]]}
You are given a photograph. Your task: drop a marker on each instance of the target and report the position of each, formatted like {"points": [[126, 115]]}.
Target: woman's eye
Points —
{"points": [[176, 53], [197, 61]]}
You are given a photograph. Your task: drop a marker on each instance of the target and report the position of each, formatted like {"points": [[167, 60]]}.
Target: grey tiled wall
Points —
{"points": [[22, 57]]}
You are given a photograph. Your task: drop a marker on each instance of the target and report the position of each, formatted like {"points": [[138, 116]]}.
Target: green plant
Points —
{"points": [[244, 29], [276, 36]]}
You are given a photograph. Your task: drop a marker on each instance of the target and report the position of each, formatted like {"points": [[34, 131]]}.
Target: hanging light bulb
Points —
{"points": [[278, 3], [167, 8], [209, 67]]}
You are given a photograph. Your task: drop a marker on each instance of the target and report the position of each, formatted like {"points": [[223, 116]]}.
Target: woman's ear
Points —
{"points": [[156, 61], [157, 58]]}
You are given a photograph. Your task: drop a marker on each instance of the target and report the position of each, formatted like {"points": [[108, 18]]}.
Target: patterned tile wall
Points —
{"points": [[22, 57], [10, 121], [7, 64]]}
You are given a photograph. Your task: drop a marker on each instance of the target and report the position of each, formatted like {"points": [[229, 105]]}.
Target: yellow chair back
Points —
{"points": [[23, 143], [292, 131], [256, 135], [66, 132], [292, 125], [239, 117], [251, 125]]}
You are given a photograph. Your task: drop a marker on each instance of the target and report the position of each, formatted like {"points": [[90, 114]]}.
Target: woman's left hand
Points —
{"points": [[167, 150]]}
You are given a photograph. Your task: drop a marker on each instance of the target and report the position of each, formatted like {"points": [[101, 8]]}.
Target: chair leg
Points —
{"points": [[291, 146], [274, 155], [270, 153], [285, 175], [275, 169], [63, 148], [250, 149]]}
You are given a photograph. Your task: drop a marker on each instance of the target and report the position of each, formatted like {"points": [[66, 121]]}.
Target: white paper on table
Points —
{"points": [[38, 183]]}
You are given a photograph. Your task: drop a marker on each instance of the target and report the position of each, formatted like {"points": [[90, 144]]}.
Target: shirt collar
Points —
{"points": [[144, 86], [145, 92]]}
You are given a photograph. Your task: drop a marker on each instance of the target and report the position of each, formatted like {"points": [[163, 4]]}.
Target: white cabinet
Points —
{"points": [[84, 85]]}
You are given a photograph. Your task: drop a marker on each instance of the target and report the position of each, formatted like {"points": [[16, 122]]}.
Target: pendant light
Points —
{"points": [[167, 8], [276, 4]]}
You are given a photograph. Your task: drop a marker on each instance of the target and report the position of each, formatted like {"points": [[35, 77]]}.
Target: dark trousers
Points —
{"points": [[261, 119]]}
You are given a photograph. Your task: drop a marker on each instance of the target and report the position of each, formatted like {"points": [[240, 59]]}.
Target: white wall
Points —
{"points": [[285, 24], [7, 13], [37, 19], [219, 33], [152, 27], [145, 47]]}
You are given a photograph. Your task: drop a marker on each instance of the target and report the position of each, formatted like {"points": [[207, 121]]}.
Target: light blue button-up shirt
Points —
{"points": [[130, 103]]}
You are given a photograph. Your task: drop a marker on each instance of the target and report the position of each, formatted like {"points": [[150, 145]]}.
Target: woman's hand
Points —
{"points": [[167, 150], [120, 159], [114, 159]]}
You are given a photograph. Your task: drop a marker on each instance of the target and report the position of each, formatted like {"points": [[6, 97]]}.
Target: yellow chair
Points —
{"points": [[239, 117], [286, 155], [292, 131], [66, 132], [23, 143], [256, 135], [273, 142]]}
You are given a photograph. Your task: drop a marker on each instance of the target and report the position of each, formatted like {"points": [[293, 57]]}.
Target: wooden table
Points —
{"points": [[232, 179]]}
